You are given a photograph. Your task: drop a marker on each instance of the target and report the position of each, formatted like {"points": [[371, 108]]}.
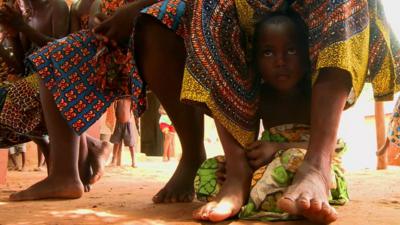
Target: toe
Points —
{"points": [[315, 206], [203, 212], [303, 203], [329, 213], [288, 204], [221, 212], [159, 197]]}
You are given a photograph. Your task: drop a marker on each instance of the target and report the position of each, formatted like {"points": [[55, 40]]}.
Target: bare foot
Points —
{"points": [[234, 193], [98, 156], [308, 195], [50, 188], [180, 187]]}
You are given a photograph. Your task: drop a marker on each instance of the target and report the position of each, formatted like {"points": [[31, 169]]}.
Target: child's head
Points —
{"points": [[280, 51]]}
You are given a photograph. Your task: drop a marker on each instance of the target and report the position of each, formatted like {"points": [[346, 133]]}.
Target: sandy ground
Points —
{"points": [[123, 196]]}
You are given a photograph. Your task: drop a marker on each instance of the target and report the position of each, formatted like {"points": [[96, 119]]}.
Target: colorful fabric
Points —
{"points": [[352, 35], [86, 75], [271, 181], [21, 111], [394, 125]]}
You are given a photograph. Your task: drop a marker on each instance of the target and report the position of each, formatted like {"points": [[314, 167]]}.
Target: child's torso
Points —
{"points": [[274, 112]]}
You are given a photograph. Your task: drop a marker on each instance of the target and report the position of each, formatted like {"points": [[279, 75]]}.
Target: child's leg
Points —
{"points": [[23, 161], [164, 54], [132, 151], [14, 160], [115, 154], [166, 146], [63, 180], [119, 154], [99, 152], [235, 189], [43, 149]]}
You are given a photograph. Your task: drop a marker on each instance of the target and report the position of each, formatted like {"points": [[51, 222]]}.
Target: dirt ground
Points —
{"points": [[123, 196]]}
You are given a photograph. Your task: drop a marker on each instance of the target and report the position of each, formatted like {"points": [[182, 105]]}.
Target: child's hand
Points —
{"points": [[260, 153]]}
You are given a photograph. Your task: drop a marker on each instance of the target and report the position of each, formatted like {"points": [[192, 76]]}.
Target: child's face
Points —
{"points": [[280, 58]]}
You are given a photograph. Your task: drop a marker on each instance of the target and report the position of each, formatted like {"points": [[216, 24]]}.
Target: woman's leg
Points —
{"points": [[236, 186], [63, 180], [160, 55], [83, 163], [99, 152], [308, 194]]}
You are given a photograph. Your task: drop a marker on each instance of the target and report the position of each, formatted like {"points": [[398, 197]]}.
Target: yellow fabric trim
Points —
{"points": [[350, 55], [33, 80], [243, 137], [245, 14], [192, 91], [384, 81]]}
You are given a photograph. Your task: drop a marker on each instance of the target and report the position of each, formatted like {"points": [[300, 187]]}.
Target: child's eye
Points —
{"points": [[292, 51], [267, 53]]}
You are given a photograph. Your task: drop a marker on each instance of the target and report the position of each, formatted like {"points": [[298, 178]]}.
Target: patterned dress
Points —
{"points": [[20, 108], [271, 180], [86, 75], [352, 35], [394, 125], [8, 136]]}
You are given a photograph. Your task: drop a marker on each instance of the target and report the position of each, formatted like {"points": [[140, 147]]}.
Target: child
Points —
{"points": [[280, 57], [123, 131], [169, 134], [14, 152]]}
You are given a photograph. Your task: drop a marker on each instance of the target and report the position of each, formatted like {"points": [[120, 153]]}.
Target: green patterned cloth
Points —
{"points": [[270, 181]]}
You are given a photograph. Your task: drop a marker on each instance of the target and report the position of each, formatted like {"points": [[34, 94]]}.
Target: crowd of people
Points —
{"points": [[295, 65]]}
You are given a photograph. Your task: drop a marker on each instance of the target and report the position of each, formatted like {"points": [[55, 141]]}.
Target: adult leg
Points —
{"points": [[308, 195], [63, 180], [83, 163], [160, 55], [236, 187], [99, 152]]}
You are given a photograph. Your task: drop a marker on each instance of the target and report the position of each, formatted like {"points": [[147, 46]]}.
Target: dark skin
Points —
{"points": [[123, 114], [154, 44], [79, 10], [63, 180], [329, 96], [40, 28]]}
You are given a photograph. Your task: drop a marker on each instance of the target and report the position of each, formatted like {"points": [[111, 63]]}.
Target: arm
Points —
{"points": [[13, 55], [74, 22], [119, 26], [95, 10], [60, 20]]}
